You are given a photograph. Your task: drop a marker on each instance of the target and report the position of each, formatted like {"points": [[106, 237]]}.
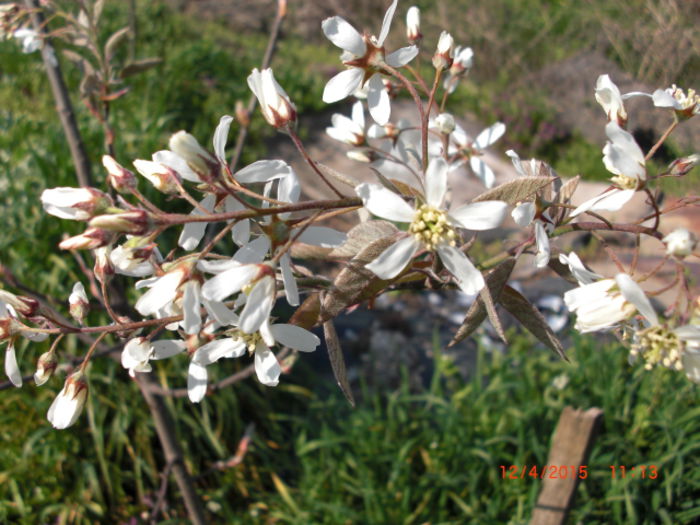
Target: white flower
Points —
{"points": [[78, 204], [430, 227], [163, 178], [275, 105], [462, 148], [139, 351], [689, 335], [133, 258], [603, 304], [45, 367], [66, 408], [364, 56], [350, 131], [582, 274], [186, 147], [624, 158], [11, 367], [684, 105], [462, 63], [680, 242], [608, 95], [30, 39]]}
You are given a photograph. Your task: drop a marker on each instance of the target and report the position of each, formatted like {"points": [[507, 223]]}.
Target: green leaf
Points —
{"points": [[335, 354]]}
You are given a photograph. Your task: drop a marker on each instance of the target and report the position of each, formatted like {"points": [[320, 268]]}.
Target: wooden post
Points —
{"points": [[571, 446]]}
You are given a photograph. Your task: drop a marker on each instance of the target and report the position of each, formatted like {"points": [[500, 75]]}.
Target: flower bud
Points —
{"points": [[136, 355], [78, 204], [680, 242], [163, 178], [413, 33], [274, 102], [242, 114], [78, 302], [608, 96], [68, 405], [684, 165], [464, 60], [25, 306], [88, 240], [45, 367], [187, 147], [120, 178], [444, 55], [136, 222], [103, 269], [445, 122]]}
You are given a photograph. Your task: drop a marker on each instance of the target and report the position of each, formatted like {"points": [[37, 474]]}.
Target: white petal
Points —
{"points": [[218, 349], [258, 305], [240, 233], [543, 253], [193, 232], [165, 348], [161, 293], [481, 170], [523, 213], [289, 188], [192, 319], [254, 252], [386, 23], [436, 182], [635, 295], [626, 147], [384, 203], [378, 100], [322, 236], [343, 84], [611, 200], [343, 35], [402, 56], [484, 215], [267, 368], [219, 312], [489, 135], [664, 99], [295, 337], [290, 285], [263, 171], [229, 282], [394, 259], [11, 366], [220, 136], [358, 115], [691, 365], [579, 271], [468, 278], [175, 162], [197, 377]]}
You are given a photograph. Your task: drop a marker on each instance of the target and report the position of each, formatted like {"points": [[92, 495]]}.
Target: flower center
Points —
{"points": [[657, 345], [625, 182], [430, 227], [250, 340]]}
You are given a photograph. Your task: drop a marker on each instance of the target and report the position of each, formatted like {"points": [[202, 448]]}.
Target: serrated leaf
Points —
{"points": [[139, 66], [516, 190], [531, 318], [495, 281], [564, 196], [340, 177], [113, 42], [308, 251], [363, 234], [355, 283], [335, 354]]}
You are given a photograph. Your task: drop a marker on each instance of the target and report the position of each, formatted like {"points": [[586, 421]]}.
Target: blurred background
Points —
{"points": [[426, 440]]}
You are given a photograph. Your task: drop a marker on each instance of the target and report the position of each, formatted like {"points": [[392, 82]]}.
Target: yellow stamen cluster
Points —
{"points": [[430, 227], [625, 182], [250, 340], [689, 102], [658, 345]]}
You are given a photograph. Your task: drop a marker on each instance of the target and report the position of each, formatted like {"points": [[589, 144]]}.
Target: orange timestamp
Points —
{"points": [[543, 472]]}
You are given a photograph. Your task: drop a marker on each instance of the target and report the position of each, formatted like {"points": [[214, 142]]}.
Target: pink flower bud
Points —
{"points": [[684, 165], [45, 367], [78, 302], [104, 269], [136, 222], [187, 147], [88, 240], [120, 178], [25, 306], [68, 405]]}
